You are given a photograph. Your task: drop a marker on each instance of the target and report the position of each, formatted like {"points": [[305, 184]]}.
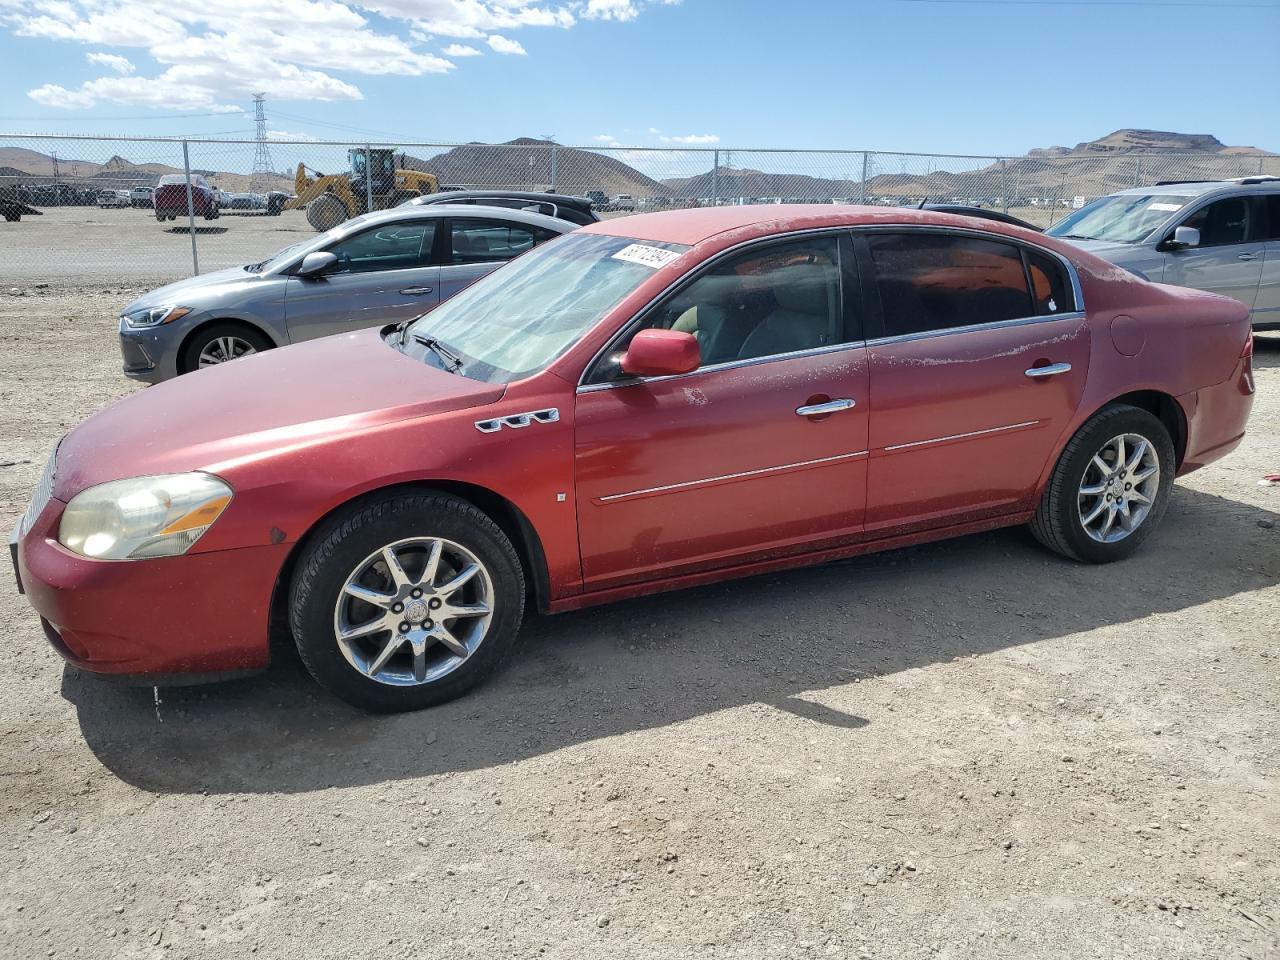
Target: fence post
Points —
{"points": [[191, 211], [862, 195], [1259, 166], [715, 178], [368, 178], [553, 168], [1004, 183]]}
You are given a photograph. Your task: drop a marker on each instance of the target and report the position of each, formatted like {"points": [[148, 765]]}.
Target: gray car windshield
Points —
{"points": [[523, 316], [1124, 218]]}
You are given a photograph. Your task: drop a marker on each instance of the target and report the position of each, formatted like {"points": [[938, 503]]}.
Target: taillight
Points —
{"points": [[1247, 351], [1246, 366]]}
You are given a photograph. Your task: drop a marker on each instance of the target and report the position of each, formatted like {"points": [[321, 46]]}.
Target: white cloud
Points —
{"points": [[220, 51], [290, 135], [692, 139], [605, 138], [500, 44], [111, 61]]}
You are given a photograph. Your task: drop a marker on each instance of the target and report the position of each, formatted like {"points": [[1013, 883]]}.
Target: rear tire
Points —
{"points": [[1097, 510], [404, 665]]}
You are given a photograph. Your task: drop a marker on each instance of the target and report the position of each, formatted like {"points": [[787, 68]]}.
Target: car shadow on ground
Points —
{"points": [[185, 230], [656, 661]]}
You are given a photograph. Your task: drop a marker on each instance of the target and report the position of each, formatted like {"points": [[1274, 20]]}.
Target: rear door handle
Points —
{"points": [[415, 291], [1052, 370], [1247, 256], [823, 409]]}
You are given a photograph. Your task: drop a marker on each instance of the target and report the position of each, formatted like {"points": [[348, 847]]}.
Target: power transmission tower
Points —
{"points": [[262, 169]]}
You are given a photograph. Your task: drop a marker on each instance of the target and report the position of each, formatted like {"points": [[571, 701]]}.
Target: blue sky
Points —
{"points": [[950, 76]]}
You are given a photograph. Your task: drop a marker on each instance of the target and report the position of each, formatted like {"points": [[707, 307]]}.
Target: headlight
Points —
{"points": [[143, 517], [154, 316]]}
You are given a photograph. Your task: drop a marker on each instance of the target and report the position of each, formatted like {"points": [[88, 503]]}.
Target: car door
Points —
{"points": [[475, 246], [1230, 256], [759, 452], [1266, 308], [973, 376], [383, 275]]}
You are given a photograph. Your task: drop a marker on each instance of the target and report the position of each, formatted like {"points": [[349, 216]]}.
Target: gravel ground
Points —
{"points": [[965, 750]]}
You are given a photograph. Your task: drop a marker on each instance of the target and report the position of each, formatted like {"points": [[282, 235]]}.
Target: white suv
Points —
{"points": [[1220, 236]]}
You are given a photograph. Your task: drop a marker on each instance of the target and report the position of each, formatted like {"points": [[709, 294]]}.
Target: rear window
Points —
{"points": [[931, 281]]}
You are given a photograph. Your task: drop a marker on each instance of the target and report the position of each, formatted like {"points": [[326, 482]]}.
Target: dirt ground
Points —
{"points": [[966, 750]]}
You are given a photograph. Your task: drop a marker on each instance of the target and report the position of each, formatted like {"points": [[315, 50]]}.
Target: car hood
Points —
{"points": [[259, 405], [217, 282]]}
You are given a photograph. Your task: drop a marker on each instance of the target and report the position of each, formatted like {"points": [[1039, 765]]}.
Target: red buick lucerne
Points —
{"points": [[647, 403]]}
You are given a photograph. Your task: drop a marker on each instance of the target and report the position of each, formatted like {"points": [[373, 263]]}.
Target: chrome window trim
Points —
{"points": [[666, 488], [707, 264], [977, 327], [726, 365]]}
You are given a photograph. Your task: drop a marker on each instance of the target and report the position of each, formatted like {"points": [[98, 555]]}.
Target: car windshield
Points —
{"points": [[1124, 218], [521, 317]]}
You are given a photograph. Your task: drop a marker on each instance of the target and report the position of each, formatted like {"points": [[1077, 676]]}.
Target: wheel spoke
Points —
{"points": [[388, 651], [452, 610], [1093, 490], [1126, 518], [1095, 512], [455, 646], [1102, 466], [430, 571], [364, 630], [1146, 474], [464, 576], [420, 662], [1139, 496], [394, 569], [1108, 521], [1120, 450], [1139, 452], [383, 600]]}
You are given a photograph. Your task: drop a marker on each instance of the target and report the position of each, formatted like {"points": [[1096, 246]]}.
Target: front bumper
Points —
{"points": [[173, 618], [150, 354]]}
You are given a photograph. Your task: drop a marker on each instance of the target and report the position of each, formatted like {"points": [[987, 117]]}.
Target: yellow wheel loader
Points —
{"points": [[330, 199]]}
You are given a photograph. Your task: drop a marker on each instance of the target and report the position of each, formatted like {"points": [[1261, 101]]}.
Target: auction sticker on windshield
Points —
{"points": [[1166, 207], [646, 255]]}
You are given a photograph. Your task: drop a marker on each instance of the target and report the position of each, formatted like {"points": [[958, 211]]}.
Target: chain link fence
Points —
{"points": [[134, 211]]}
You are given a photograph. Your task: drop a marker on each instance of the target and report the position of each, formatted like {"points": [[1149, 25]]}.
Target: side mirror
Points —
{"points": [[1184, 237], [661, 353], [316, 263]]}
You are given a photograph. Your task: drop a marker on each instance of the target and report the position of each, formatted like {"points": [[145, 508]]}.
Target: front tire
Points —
{"points": [[1110, 487], [221, 342], [406, 601]]}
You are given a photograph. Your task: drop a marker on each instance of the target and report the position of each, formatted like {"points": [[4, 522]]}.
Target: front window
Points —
{"points": [[1124, 218], [520, 318], [391, 246]]}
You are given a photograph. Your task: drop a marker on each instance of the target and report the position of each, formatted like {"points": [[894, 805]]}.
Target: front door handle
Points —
{"points": [[1247, 256], [415, 291], [824, 409], [1052, 370]]}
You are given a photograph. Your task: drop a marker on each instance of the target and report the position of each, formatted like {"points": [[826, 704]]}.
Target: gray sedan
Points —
{"points": [[375, 269]]}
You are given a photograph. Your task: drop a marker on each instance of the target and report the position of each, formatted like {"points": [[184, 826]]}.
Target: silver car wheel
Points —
{"points": [[222, 349], [413, 611], [1119, 488]]}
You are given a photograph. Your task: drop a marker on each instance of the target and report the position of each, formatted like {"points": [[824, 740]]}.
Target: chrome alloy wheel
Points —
{"points": [[222, 349], [1119, 488], [413, 611]]}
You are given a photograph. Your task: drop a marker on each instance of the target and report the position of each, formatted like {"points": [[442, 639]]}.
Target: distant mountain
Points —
{"points": [[116, 173], [506, 166]]}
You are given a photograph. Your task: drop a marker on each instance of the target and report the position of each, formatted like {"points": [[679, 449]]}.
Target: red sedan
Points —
{"points": [[647, 403]]}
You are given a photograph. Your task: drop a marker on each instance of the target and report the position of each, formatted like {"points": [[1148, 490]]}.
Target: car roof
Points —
{"points": [[697, 224], [1199, 188], [444, 196], [468, 210]]}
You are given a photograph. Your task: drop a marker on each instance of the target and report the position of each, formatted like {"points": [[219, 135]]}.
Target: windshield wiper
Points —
{"points": [[1077, 236], [440, 350], [255, 267]]}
